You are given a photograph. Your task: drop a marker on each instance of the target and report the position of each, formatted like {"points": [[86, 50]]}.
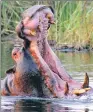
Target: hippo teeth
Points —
{"points": [[85, 86], [86, 81], [66, 91], [32, 32], [87, 89], [80, 91], [48, 16]]}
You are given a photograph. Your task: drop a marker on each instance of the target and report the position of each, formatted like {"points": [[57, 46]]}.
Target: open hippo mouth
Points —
{"points": [[33, 29], [37, 57]]}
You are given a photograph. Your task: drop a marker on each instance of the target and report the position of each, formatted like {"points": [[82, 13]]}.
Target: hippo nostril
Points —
{"points": [[15, 51], [14, 54]]}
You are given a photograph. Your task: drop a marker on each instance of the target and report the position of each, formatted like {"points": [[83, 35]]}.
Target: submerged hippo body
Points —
{"points": [[24, 78]]}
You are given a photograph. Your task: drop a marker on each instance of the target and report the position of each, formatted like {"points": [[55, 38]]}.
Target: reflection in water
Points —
{"points": [[31, 106], [42, 105], [75, 63], [28, 105]]}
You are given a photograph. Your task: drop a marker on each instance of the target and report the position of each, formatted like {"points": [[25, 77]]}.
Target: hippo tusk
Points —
{"points": [[86, 81], [85, 86], [66, 90], [32, 32], [80, 91], [49, 16]]}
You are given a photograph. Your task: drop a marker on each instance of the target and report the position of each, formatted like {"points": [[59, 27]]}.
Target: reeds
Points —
{"points": [[74, 23], [74, 20], [11, 15]]}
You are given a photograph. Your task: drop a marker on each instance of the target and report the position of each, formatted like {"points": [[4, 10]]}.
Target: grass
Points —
{"points": [[74, 23], [11, 15], [74, 20]]}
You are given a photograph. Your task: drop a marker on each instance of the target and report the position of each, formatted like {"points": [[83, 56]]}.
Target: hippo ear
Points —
{"points": [[86, 81], [11, 70], [66, 90]]}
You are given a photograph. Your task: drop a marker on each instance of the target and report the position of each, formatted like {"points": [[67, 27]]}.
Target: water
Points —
{"points": [[75, 63], [30, 104]]}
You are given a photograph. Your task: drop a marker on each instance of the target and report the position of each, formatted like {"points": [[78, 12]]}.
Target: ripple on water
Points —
{"points": [[56, 105]]}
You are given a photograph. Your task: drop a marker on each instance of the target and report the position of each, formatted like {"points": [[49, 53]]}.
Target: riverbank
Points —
{"points": [[69, 47], [63, 47]]}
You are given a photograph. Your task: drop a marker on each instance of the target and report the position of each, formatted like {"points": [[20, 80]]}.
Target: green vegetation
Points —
{"points": [[6, 60], [74, 20], [11, 15]]}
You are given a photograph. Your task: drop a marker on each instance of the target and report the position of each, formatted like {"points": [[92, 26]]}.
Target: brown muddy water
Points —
{"points": [[76, 63]]}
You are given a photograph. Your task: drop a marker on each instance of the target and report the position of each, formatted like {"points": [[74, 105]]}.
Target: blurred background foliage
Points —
{"points": [[74, 20]]}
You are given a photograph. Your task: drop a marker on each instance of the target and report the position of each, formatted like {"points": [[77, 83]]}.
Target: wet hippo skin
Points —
{"points": [[33, 29], [24, 78]]}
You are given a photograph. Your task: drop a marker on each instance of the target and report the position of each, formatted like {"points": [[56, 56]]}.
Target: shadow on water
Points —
{"points": [[75, 63]]}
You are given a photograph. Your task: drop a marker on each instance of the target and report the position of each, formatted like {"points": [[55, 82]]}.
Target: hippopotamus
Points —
{"points": [[33, 29]]}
